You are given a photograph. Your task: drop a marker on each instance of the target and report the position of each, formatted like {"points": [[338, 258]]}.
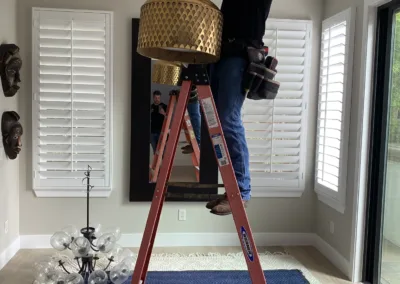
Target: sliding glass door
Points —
{"points": [[382, 257]]}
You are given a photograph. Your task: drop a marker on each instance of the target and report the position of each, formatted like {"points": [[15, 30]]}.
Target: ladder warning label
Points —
{"points": [[220, 150], [192, 135], [209, 112], [246, 244]]}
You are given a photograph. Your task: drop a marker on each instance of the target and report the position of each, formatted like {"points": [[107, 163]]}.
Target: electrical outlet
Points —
{"points": [[182, 215], [332, 227], [6, 227]]}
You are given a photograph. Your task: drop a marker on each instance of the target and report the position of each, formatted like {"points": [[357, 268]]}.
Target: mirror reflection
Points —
{"points": [[186, 165]]}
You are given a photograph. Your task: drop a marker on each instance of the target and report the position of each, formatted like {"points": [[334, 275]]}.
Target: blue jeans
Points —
{"points": [[154, 137], [195, 117], [226, 83]]}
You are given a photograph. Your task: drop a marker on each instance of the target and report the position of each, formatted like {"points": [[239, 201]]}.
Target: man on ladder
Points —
{"points": [[244, 26], [158, 112], [221, 102]]}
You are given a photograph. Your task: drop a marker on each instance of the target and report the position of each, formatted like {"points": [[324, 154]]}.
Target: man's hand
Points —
{"points": [[162, 111]]}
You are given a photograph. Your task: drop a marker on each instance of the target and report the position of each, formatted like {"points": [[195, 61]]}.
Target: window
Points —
{"points": [[276, 131], [72, 104], [334, 110]]}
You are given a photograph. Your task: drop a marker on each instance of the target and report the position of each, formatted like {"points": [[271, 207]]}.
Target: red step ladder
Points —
{"points": [[198, 75], [190, 138]]}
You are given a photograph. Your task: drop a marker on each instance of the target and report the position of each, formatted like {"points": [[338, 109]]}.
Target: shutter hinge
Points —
{"points": [[302, 176], [35, 23], [34, 174], [35, 96]]}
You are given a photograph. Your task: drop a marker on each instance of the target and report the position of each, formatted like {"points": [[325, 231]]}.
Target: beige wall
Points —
{"points": [[9, 170], [341, 239], [44, 216]]}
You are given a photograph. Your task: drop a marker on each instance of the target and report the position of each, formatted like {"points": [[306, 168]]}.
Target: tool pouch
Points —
{"points": [[258, 81], [194, 96]]}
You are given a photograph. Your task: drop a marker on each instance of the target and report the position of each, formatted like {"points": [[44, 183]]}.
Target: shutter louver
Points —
{"points": [[275, 130], [73, 96], [331, 105]]}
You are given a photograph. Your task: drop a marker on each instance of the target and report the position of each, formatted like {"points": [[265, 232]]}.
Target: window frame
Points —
{"points": [[337, 200], [295, 192], [65, 191]]}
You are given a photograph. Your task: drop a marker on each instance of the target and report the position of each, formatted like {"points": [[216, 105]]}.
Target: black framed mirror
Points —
{"points": [[141, 189]]}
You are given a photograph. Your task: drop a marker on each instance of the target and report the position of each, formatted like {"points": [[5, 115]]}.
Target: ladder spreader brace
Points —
{"points": [[197, 75]]}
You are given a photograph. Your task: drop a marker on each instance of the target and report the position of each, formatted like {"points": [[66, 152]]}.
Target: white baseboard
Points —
{"points": [[333, 256], [214, 240], [190, 240], [9, 253]]}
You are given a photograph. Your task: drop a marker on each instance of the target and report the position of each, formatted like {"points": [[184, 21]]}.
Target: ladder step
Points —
{"points": [[195, 185], [193, 196]]}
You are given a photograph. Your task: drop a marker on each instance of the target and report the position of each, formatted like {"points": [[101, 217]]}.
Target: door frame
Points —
{"points": [[368, 12], [379, 125]]}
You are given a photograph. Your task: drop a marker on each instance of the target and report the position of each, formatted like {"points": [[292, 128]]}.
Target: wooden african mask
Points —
{"points": [[11, 130], [10, 65]]}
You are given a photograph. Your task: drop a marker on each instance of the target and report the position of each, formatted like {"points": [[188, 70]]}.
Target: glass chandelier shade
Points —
{"points": [[115, 231], [98, 277], [119, 274], [71, 231], [106, 243], [60, 241], [80, 247], [74, 278]]}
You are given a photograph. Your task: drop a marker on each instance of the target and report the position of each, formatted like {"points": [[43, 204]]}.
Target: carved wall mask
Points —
{"points": [[11, 130], [10, 65]]}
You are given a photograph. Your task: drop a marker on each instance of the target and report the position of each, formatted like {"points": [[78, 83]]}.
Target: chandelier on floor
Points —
{"points": [[95, 256]]}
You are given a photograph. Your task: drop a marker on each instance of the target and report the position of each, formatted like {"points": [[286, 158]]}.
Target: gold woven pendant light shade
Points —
{"points": [[166, 73], [186, 31]]}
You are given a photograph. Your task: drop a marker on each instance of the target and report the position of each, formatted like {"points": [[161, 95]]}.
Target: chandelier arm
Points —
{"points": [[79, 265], [93, 247], [82, 268], [63, 267], [108, 265]]}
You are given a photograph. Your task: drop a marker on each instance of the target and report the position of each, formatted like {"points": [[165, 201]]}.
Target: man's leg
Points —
{"points": [[226, 81], [154, 141], [195, 118]]}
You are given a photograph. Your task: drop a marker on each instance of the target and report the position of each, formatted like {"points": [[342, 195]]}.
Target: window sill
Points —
{"points": [[331, 202], [72, 193], [276, 192]]}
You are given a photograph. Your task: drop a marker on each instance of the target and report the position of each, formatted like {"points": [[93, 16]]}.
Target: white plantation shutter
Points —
{"points": [[72, 99], [334, 105], [276, 130]]}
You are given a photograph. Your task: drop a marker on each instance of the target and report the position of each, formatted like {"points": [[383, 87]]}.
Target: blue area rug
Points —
{"points": [[223, 277]]}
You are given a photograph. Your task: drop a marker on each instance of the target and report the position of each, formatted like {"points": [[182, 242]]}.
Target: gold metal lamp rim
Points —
{"points": [[186, 31], [166, 73]]}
